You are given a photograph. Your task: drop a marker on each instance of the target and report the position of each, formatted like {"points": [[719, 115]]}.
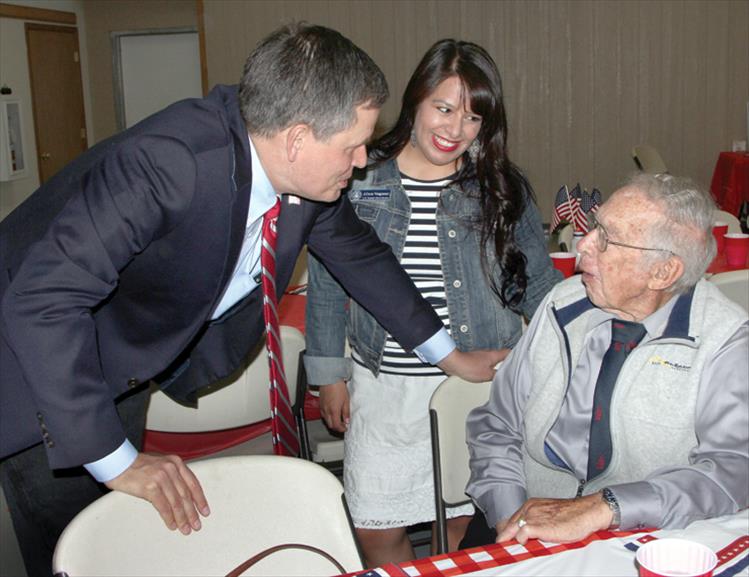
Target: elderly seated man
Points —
{"points": [[625, 403]]}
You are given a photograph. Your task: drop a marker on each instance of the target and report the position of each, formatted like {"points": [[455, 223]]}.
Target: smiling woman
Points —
{"points": [[442, 193], [444, 128]]}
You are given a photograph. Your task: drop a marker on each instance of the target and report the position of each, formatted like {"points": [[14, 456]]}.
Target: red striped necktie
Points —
{"points": [[283, 426]]}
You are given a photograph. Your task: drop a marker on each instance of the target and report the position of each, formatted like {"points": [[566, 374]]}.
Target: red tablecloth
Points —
{"points": [[730, 184]]}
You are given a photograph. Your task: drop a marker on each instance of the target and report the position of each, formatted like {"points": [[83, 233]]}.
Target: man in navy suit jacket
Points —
{"points": [[138, 262]]}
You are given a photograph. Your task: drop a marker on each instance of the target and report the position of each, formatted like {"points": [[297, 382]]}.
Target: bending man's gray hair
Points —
{"points": [[308, 74], [685, 226]]}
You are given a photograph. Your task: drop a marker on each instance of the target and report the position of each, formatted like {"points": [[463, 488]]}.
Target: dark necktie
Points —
{"points": [[283, 426], [624, 337]]}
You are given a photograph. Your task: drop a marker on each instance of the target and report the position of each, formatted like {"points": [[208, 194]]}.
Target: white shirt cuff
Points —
{"points": [[436, 347], [111, 466]]}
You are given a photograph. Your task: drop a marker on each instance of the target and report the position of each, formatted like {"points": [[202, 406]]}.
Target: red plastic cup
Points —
{"points": [[675, 557], [720, 229], [737, 248], [564, 262]]}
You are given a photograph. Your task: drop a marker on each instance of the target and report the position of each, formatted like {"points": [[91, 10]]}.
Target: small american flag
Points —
{"points": [[589, 203], [579, 218], [566, 205]]}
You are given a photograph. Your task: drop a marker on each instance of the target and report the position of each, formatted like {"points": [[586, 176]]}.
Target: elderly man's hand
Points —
{"points": [[556, 520], [167, 483], [474, 366], [334, 406]]}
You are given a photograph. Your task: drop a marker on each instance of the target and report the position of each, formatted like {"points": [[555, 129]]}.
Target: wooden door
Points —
{"points": [[56, 95]]}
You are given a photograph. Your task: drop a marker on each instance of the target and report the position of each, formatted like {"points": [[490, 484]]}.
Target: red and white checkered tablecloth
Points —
{"points": [[609, 553], [469, 560]]}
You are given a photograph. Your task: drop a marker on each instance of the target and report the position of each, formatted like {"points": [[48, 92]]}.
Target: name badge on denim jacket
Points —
{"points": [[369, 194]]}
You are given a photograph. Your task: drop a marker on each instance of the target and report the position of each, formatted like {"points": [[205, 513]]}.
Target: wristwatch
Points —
{"points": [[608, 497]]}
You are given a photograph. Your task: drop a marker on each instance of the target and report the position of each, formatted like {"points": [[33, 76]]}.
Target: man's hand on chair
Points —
{"points": [[169, 485]]}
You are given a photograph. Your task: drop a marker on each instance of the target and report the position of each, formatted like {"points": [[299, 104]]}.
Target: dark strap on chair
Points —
{"points": [[237, 571]]}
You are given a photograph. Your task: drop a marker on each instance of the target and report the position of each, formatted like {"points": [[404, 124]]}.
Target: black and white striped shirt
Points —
{"points": [[421, 260]]}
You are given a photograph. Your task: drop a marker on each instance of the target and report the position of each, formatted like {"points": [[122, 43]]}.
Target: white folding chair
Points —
{"points": [[648, 159], [734, 284], [566, 236], [734, 226], [318, 443], [237, 401], [448, 409], [258, 503]]}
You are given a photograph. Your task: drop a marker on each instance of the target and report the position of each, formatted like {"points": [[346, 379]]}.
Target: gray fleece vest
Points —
{"points": [[653, 405]]}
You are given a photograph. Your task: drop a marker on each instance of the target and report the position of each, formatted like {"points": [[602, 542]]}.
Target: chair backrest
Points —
{"points": [[566, 236], [257, 502], [448, 409], [317, 442], [238, 400], [733, 223], [734, 284], [648, 159]]}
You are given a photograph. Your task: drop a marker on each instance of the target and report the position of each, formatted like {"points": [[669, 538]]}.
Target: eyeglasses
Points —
{"points": [[603, 241]]}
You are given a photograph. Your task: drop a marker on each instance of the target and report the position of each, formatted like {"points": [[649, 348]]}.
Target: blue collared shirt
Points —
{"points": [[242, 283]]}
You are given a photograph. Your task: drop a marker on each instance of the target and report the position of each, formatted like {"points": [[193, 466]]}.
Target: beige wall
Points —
{"points": [[14, 73], [584, 80], [106, 16]]}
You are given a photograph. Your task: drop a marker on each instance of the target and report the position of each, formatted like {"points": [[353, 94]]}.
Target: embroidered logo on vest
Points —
{"points": [[658, 360]]}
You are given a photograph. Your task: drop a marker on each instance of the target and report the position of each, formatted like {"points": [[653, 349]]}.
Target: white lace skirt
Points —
{"points": [[388, 457]]}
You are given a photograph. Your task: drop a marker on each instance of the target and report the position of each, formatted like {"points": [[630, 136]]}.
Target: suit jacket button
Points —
{"points": [[50, 444], [39, 417], [132, 383]]}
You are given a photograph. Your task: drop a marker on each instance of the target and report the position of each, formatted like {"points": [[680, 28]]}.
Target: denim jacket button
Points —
{"points": [[451, 233], [463, 328], [457, 284]]}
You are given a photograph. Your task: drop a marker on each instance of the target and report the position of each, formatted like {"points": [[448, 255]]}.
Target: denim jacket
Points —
{"points": [[478, 320]]}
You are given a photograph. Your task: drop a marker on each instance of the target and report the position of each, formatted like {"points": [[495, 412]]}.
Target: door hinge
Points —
{"points": [[76, 57], [83, 133]]}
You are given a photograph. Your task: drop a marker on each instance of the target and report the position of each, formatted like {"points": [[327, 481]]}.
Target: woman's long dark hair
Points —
{"points": [[503, 190]]}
